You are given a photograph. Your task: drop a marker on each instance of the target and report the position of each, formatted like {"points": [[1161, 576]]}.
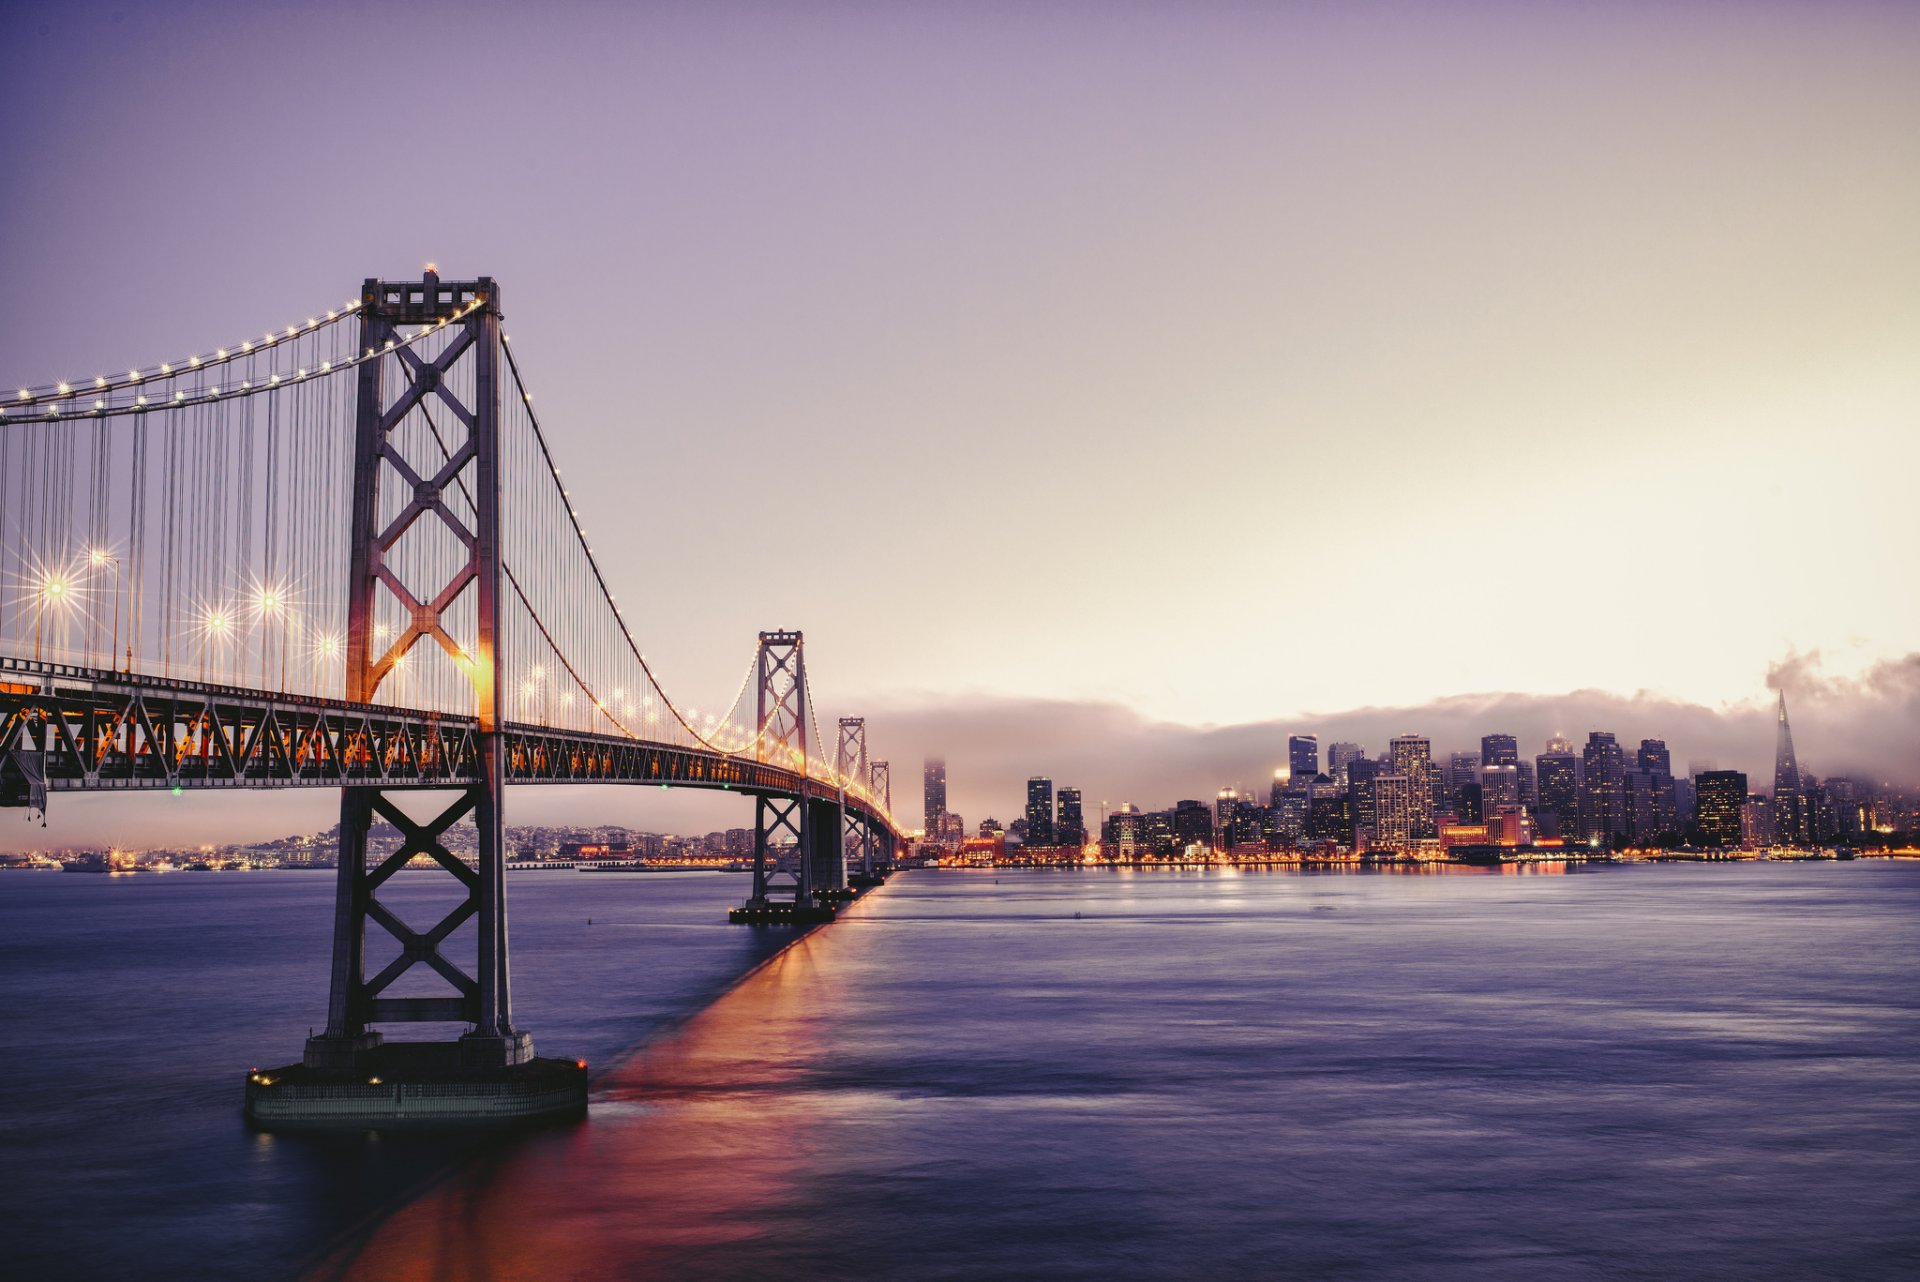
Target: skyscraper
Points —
{"points": [[1303, 756], [1557, 777], [1361, 772], [1339, 756], [935, 779], [1395, 804], [1789, 795], [1412, 756], [1499, 750], [1603, 789], [1192, 826], [1039, 811], [1069, 827]]}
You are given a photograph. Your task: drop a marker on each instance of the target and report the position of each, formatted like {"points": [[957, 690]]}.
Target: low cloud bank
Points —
{"points": [[1867, 726]]}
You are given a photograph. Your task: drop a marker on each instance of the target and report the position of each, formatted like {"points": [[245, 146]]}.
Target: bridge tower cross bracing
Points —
{"points": [[464, 380]]}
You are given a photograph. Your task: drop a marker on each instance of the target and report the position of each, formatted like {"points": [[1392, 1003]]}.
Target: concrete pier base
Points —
{"points": [[415, 1085]]}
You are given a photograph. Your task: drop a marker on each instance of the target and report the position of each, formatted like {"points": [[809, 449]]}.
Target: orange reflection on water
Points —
{"points": [[685, 1145]]}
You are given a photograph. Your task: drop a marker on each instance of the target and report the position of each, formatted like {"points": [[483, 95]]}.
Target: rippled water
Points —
{"points": [[1628, 1072]]}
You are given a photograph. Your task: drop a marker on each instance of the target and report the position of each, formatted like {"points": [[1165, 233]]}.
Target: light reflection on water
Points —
{"points": [[1707, 1072]]}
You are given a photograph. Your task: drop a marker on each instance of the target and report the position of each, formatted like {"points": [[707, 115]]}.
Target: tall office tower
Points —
{"points": [[1329, 818], [1412, 756], [1683, 803], [1192, 826], [1499, 786], [1248, 825], [1339, 756], [1361, 772], [1523, 769], [1039, 811], [1156, 832], [1756, 822], [1287, 818], [1557, 777], [936, 793], [1499, 750], [1789, 794], [1069, 826], [1559, 743], [1225, 802], [1462, 767], [1603, 789], [1395, 809], [1125, 835], [1303, 756], [1659, 811], [1719, 798], [1282, 784]]}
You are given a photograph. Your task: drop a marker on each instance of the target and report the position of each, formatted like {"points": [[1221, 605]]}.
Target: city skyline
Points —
{"points": [[1410, 803]]}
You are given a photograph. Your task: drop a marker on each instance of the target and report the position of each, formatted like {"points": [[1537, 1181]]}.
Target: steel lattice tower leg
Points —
{"points": [[469, 435]]}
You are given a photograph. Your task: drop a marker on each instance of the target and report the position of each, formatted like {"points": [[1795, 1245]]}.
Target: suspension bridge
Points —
{"points": [[341, 554]]}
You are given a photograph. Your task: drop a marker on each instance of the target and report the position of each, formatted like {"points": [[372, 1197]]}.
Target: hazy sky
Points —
{"points": [[1218, 364]]}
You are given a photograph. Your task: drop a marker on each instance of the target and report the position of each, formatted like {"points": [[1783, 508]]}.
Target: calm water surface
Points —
{"points": [[1630, 1072]]}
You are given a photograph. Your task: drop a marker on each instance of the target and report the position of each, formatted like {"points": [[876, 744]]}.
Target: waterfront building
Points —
{"points": [[1039, 811], [935, 781], [1756, 821], [1361, 772], [1396, 811], [1412, 757], [1069, 826], [1721, 797], [1329, 818], [1287, 818], [1558, 782], [1303, 755], [1156, 831], [1603, 789], [1191, 825]]}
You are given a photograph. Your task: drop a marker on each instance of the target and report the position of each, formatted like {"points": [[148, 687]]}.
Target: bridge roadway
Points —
{"points": [[65, 728]]}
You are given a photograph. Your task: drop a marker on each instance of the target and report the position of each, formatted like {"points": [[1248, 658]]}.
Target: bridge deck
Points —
{"points": [[95, 730]]}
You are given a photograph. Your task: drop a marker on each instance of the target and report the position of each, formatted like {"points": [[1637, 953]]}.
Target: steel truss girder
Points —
{"points": [[96, 730]]}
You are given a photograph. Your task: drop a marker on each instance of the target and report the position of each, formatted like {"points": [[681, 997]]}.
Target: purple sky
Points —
{"points": [[1189, 365]]}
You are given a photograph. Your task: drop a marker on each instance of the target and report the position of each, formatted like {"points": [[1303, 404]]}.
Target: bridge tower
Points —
{"points": [[782, 867], [880, 787], [850, 762], [444, 485]]}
